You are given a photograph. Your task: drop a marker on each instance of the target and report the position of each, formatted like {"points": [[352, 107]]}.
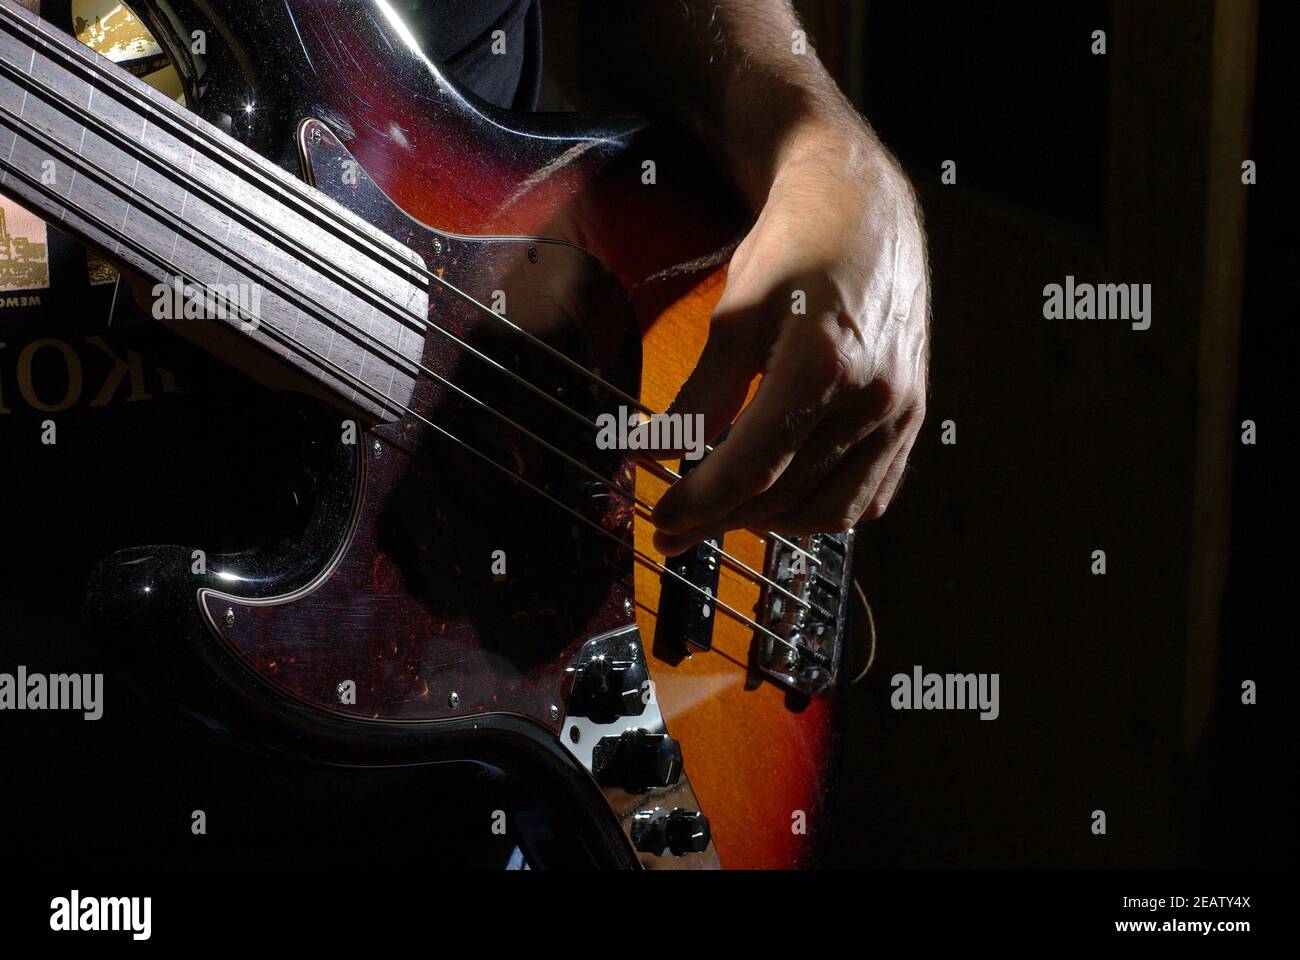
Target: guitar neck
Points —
{"points": [[226, 236]]}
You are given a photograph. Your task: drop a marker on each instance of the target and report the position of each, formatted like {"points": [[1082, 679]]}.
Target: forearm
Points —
{"points": [[731, 71], [824, 441]]}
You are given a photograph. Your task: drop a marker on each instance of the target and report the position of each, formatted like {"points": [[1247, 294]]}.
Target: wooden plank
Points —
{"points": [[1232, 83]]}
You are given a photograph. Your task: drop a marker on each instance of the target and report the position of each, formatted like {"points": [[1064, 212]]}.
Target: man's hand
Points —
{"points": [[828, 299]]}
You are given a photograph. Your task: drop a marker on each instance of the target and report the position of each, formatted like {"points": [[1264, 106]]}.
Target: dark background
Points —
{"points": [[1119, 693]]}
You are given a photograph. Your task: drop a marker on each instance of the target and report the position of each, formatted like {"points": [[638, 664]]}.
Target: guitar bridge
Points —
{"points": [[806, 608]]}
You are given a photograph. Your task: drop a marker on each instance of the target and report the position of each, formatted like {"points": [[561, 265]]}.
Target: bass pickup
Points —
{"points": [[687, 589], [806, 606]]}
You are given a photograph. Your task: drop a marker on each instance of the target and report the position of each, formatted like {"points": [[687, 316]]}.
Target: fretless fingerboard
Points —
{"points": [[225, 235]]}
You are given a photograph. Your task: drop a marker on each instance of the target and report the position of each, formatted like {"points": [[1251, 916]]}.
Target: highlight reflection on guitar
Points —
{"points": [[451, 302]]}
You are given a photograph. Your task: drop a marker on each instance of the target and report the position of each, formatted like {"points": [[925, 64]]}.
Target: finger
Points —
{"points": [[877, 449], [889, 486], [843, 498], [789, 404], [671, 544], [842, 430]]}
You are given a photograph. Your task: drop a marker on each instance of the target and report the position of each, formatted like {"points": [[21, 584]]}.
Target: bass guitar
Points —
{"points": [[462, 295]]}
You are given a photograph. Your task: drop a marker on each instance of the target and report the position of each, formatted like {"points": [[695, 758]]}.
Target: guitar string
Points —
{"points": [[208, 241], [204, 133], [308, 306], [367, 389], [312, 203], [187, 126]]}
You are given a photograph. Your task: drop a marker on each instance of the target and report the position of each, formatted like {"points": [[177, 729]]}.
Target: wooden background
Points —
{"points": [[1072, 436]]}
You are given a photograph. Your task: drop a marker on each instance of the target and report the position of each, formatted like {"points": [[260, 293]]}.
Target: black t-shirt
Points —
{"points": [[493, 47]]}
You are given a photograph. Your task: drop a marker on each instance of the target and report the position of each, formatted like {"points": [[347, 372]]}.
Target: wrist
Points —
{"points": [[813, 135], [843, 153]]}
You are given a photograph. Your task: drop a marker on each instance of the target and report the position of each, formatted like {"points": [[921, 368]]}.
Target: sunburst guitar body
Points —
{"points": [[475, 577]]}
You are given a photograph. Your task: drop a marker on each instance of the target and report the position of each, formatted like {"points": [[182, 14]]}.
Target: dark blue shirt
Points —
{"points": [[492, 47]]}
